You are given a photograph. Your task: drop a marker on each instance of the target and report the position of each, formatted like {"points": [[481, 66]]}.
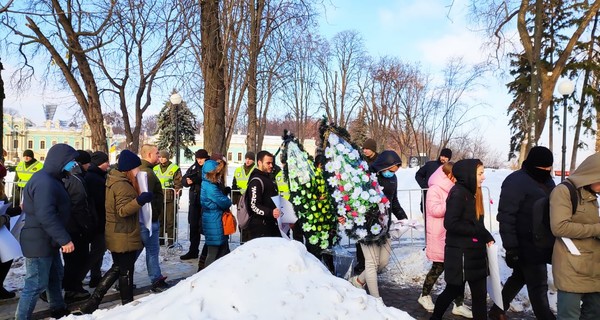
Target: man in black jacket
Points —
{"points": [[193, 179], [262, 210], [424, 173], [520, 190]]}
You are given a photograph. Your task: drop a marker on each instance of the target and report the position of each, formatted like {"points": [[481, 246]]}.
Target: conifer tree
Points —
{"points": [[166, 129]]}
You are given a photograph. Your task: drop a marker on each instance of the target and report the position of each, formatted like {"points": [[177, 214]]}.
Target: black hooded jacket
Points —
{"points": [[390, 185], [466, 236], [95, 179], [47, 205]]}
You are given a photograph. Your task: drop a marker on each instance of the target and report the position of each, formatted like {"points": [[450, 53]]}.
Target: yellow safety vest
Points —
{"points": [[25, 173], [241, 178], [166, 178], [284, 189]]}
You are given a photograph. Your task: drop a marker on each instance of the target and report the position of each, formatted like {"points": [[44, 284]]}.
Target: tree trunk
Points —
{"points": [[256, 12], [213, 72]]}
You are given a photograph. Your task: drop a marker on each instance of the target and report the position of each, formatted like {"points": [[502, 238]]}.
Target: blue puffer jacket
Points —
{"points": [[214, 203]]}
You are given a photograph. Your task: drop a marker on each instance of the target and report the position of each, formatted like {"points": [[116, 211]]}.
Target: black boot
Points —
{"points": [[107, 281], [125, 288]]}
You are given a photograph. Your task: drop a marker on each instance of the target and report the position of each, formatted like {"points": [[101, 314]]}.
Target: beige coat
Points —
{"points": [[572, 273], [122, 218]]}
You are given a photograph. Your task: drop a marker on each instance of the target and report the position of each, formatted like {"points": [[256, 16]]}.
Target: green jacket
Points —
{"points": [[155, 187], [122, 217], [577, 273]]}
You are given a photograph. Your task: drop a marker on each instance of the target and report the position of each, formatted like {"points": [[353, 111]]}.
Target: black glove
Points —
{"points": [[144, 198], [227, 191], [13, 211], [512, 257], [5, 221]]}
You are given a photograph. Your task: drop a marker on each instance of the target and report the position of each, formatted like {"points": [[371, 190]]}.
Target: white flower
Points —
{"points": [[337, 165], [329, 167], [365, 178], [348, 168], [375, 229], [329, 153], [349, 224], [361, 209], [372, 192], [348, 187], [293, 186], [340, 148], [356, 193], [345, 176], [364, 195], [354, 155], [341, 211], [356, 179], [361, 233], [332, 181], [384, 219], [375, 199], [337, 195], [333, 139], [360, 220]]}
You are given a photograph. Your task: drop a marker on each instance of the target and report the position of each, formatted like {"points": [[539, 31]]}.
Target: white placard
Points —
{"points": [[146, 210], [9, 246], [287, 215], [494, 287], [571, 246]]}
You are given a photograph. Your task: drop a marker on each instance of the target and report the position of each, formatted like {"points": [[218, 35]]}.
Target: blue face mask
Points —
{"points": [[387, 174], [70, 165]]}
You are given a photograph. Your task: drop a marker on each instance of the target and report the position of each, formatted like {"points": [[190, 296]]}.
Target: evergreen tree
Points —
{"points": [[166, 129], [359, 129]]}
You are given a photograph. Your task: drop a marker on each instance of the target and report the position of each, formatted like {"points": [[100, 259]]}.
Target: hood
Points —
{"points": [[208, 166], [385, 160], [588, 171], [439, 178], [59, 155], [115, 176], [465, 172]]}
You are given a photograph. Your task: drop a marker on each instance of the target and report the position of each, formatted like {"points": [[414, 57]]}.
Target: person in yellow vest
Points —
{"points": [[169, 175], [25, 169], [282, 185], [241, 175]]}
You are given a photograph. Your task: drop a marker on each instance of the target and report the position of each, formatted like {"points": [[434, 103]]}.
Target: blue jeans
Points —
{"points": [[152, 246], [570, 305], [41, 274]]}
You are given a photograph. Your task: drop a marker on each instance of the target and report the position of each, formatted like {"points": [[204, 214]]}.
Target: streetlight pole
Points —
{"points": [[565, 88], [176, 101]]}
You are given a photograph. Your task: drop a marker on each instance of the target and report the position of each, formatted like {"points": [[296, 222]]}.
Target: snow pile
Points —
{"points": [[268, 278]]}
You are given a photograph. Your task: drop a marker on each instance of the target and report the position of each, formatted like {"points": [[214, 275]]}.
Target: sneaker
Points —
{"points": [[59, 313], [189, 256], [462, 310], [160, 285], [74, 296], [426, 302], [355, 282], [5, 294]]}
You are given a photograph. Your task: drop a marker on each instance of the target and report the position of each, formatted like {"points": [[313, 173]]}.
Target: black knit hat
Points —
{"points": [[539, 157], [202, 154], [370, 144], [28, 153], [99, 158], [83, 157], [250, 155], [128, 161], [446, 153]]}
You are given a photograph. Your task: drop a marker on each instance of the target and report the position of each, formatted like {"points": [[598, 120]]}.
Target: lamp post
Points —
{"points": [[176, 101], [565, 88]]}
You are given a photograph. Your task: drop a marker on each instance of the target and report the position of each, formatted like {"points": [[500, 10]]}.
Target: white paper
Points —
{"points": [[571, 246], [277, 201], [9, 246], [398, 228], [16, 224], [146, 210], [494, 287], [287, 215]]}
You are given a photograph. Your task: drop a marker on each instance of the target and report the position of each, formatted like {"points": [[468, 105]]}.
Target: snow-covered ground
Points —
{"points": [[282, 278]]}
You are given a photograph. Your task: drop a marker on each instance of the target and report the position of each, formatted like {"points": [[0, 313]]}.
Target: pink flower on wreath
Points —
{"points": [[361, 166], [374, 183], [341, 188], [348, 208], [354, 214], [339, 176], [384, 200], [345, 198]]}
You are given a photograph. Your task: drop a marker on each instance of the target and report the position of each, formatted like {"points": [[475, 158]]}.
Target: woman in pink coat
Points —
{"points": [[440, 183]]}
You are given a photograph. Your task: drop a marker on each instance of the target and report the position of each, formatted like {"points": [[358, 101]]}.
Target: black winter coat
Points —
{"points": [[424, 173], [390, 185], [95, 179], [466, 236], [260, 205], [82, 221], [47, 205], [195, 174], [519, 192]]}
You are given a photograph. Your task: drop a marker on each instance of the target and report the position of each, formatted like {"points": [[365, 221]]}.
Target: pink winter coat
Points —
{"points": [[439, 186]]}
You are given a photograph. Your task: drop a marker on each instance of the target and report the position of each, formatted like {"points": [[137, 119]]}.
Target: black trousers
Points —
{"points": [[76, 263], [535, 276], [478, 297], [4, 268], [195, 221], [97, 250]]}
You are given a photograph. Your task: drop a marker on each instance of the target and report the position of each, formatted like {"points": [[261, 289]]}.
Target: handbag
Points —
{"points": [[229, 223]]}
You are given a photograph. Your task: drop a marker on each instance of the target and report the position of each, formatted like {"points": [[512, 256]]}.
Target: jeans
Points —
{"points": [[41, 274], [152, 246], [570, 305]]}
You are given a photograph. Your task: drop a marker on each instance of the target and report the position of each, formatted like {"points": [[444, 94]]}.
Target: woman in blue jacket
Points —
{"points": [[214, 203]]}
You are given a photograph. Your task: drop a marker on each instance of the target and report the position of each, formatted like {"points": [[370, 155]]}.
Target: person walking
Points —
{"points": [[576, 269], [261, 187], [214, 203], [377, 249], [48, 208], [520, 190], [424, 173], [24, 170], [169, 175], [123, 236], [193, 179], [465, 257], [440, 183]]}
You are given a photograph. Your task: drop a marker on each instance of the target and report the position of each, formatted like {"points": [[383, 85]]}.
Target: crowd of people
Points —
{"points": [[78, 206]]}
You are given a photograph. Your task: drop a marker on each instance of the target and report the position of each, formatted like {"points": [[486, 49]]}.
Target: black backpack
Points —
{"points": [[540, 229]]}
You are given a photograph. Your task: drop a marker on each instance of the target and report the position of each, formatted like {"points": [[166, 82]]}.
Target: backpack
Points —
{"points": [[243, 216], [540, 229]]}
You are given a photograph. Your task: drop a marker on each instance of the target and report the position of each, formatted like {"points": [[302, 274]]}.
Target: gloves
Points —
{"points": [[144, 198], [512, 257], [14, 211], [5, 221], [227, 191]]}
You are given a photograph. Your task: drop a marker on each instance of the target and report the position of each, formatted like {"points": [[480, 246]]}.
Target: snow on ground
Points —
{"points": [[268, 278], [408, 265]]}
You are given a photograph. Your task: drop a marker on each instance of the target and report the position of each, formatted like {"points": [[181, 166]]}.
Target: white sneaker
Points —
{"points": [[426, 302], [354, 281], [462, 310]]}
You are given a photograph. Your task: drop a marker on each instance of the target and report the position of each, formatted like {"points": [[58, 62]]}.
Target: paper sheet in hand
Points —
{"points": [[16, 224], [571, 246], [146, 211], [494, 287], [287, 215], [9, 246]]}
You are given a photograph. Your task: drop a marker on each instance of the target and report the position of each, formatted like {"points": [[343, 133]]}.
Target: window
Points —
{"points": [[30, 144], [42, 158], [229, 156], [66, 142], [53, 142], [43, 144], [239, 157], [77, 145], [15, 144]]}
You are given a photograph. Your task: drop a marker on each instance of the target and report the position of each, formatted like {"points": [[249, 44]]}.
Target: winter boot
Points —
{"points": [[201, 262], [107, 281], [126, 288]]}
